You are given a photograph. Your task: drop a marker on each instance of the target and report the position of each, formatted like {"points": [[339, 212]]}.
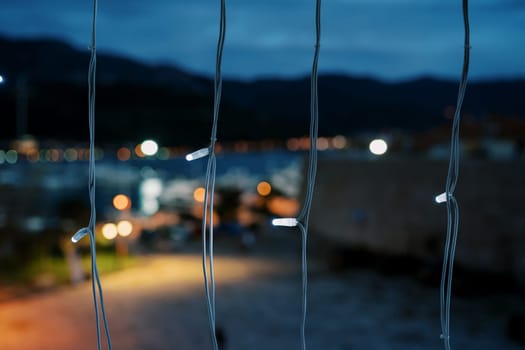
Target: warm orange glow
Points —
{"points": [[241, 146], [124, 228], [138, 151], [123, 154], [109, 231], [284, 207], [322, 144], [198, 194], [197, 212], [121, 202], [339, 142], [53, 155], [292, 144], [33, 156], [264, 188]]}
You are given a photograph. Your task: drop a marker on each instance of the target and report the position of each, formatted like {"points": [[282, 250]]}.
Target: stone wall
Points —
{"points": [[387, 205]]}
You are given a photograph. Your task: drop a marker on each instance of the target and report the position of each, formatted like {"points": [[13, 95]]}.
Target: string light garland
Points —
{"points": [[90, 230], [302, 219], [448, 195], [211, 170]]}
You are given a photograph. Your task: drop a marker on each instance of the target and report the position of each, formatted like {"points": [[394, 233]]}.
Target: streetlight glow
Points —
{"points": [[378, 147], [149, 147], [1, 79], [264, 188], [109, 231], [124, 228], [121, 202]]}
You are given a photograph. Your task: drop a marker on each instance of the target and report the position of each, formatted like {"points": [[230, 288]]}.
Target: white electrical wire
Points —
{"points": [[95, 278], [448, 196], [302, 219], [211, 170]]}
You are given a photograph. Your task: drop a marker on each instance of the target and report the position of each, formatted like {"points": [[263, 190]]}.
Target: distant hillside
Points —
{"points": [[135, 100]]}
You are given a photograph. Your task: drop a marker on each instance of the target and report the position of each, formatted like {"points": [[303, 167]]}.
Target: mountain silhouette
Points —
{"points": [[137, 100]]}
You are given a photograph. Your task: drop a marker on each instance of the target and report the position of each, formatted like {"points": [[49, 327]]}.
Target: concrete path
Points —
{"points": [[159, 305]]}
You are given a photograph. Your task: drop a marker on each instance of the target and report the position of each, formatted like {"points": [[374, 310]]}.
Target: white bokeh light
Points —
{"points": [[378, 147], [150, 190], [124, 228], [149, 147], [109, 231]]}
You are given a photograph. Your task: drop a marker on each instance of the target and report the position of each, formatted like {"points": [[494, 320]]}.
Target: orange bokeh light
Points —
{"points": [[264, 188], [123, 154], [284, 207], [121, 202], [138, 151], [198, 194]]}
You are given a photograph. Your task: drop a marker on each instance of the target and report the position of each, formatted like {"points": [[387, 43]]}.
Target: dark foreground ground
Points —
{"points": [[159, 305]]}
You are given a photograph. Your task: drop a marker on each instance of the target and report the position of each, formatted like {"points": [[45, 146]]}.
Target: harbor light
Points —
{"points": [[149, 147], [378, 147]]}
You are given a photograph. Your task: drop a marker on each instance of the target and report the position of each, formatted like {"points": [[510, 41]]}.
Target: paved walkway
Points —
{"points": [[159, 305]]}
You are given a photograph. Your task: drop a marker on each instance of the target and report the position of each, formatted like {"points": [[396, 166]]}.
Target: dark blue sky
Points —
{"points": [[388, 39]]}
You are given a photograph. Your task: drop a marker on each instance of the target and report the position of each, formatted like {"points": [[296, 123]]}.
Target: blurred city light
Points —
{"points": [[378, 147], [121, 202], [149, 147], [109, 231], [198, 194], [11, 156], [123, 154], [151, 187], [124, 228], [138, 151], [264, 188], [150, 190], [53, 155], [1, 79], [292, 144], [71, 155], [339, 142], [322, 144]]}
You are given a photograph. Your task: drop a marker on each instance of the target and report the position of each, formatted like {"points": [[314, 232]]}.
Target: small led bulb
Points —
{"points": [[441, 198], [288, 222], [79, 235], [203, 152]]}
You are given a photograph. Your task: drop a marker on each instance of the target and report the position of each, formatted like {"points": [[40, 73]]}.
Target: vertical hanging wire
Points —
{"points": [[304, 215], [452, 204], [207, 243], [95, 278]]}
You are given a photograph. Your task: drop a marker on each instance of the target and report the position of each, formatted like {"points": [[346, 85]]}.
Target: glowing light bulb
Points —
{"points": [[288, 222], [79, 235], [203, 152], [441, 198]]}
